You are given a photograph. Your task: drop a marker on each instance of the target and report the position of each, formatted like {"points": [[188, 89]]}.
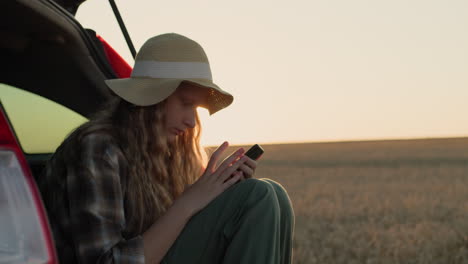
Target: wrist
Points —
{"points": [[183, 209]]}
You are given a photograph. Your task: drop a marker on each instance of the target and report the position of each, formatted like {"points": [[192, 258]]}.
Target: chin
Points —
{"points": [[172, 138]]}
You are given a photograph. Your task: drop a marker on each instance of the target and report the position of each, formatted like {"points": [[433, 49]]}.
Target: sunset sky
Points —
{"points": [[316, 70]]}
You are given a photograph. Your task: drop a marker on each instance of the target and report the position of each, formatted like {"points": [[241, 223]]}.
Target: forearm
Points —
{"points": [[158, 239]]}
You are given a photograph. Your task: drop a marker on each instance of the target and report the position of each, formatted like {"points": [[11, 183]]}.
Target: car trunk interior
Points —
{"points": [[44, 50]]}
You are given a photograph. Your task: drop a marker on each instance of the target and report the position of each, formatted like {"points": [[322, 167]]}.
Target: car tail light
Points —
{"points": [[25, 235]]}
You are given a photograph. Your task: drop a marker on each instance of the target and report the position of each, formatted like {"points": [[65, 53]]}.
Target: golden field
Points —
{"points": [[399, 201]]}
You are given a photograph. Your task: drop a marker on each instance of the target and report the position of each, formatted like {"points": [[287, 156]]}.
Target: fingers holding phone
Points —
{"points": [[247, 169]]}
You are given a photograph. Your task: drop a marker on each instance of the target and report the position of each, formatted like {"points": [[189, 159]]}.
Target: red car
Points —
{"points": [[51, 79]]}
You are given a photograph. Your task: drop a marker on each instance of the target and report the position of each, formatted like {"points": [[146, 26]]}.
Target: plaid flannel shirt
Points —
{"points": [[89, 220]]}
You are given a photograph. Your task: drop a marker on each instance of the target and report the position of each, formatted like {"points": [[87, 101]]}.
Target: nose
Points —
{"points": [[189, 120]]}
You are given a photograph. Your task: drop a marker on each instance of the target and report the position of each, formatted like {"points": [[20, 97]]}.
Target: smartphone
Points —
{"points": [[255, 152]]}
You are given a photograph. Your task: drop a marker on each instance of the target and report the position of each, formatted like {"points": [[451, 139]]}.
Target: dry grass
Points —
{"points": [[375, 202]]}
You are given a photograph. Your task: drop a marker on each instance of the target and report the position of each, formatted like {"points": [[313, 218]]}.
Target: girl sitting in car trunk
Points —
{"points": [[133, 185]]}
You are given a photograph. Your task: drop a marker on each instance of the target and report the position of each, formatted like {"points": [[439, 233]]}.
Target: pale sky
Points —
{"points": [[316, 70]]}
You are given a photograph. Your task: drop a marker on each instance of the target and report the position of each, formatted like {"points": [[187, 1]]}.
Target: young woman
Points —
{"points": [[132, 185]]}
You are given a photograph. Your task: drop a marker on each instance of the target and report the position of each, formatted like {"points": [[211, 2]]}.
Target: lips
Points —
{"points": [[177, 131]]}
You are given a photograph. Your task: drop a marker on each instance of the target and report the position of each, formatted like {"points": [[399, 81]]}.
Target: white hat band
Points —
{"points": [[173, 70]]}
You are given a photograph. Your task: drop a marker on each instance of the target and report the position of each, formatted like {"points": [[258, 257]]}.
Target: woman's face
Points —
{"points": [[181, 109]]}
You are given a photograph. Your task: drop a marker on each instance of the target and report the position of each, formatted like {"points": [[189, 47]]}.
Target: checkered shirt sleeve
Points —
{"points": [[96, 207]]}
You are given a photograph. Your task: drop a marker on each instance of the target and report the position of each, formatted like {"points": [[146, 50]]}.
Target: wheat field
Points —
{"points": [[400, 201]]}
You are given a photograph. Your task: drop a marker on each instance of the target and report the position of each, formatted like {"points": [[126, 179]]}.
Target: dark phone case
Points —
{"points": [[255, 152]]}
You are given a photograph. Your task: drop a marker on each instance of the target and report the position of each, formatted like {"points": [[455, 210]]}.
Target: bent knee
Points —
{"points": [[257, 187], [255, 183], [280, 190], [283, 197]]}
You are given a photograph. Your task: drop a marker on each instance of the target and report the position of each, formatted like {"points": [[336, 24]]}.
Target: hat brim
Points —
{"points": [[149, 91]]}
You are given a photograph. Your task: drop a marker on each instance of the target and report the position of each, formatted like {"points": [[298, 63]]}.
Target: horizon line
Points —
{"points": [[348, 140]]}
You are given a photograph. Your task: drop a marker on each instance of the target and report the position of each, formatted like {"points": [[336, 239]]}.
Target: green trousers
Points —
{"points": [[251, 222]]}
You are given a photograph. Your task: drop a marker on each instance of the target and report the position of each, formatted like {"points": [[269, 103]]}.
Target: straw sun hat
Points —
{"points": [[161, 65]]}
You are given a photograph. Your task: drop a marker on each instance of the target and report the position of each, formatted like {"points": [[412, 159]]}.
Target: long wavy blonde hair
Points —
{"points": [[158, 170]]}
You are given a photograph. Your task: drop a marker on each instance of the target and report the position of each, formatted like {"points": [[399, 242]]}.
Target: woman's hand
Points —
{"points": [[247, 169], [216, 179]]}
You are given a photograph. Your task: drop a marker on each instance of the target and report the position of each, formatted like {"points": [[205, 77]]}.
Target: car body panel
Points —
{"points": [[39, 123]]}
